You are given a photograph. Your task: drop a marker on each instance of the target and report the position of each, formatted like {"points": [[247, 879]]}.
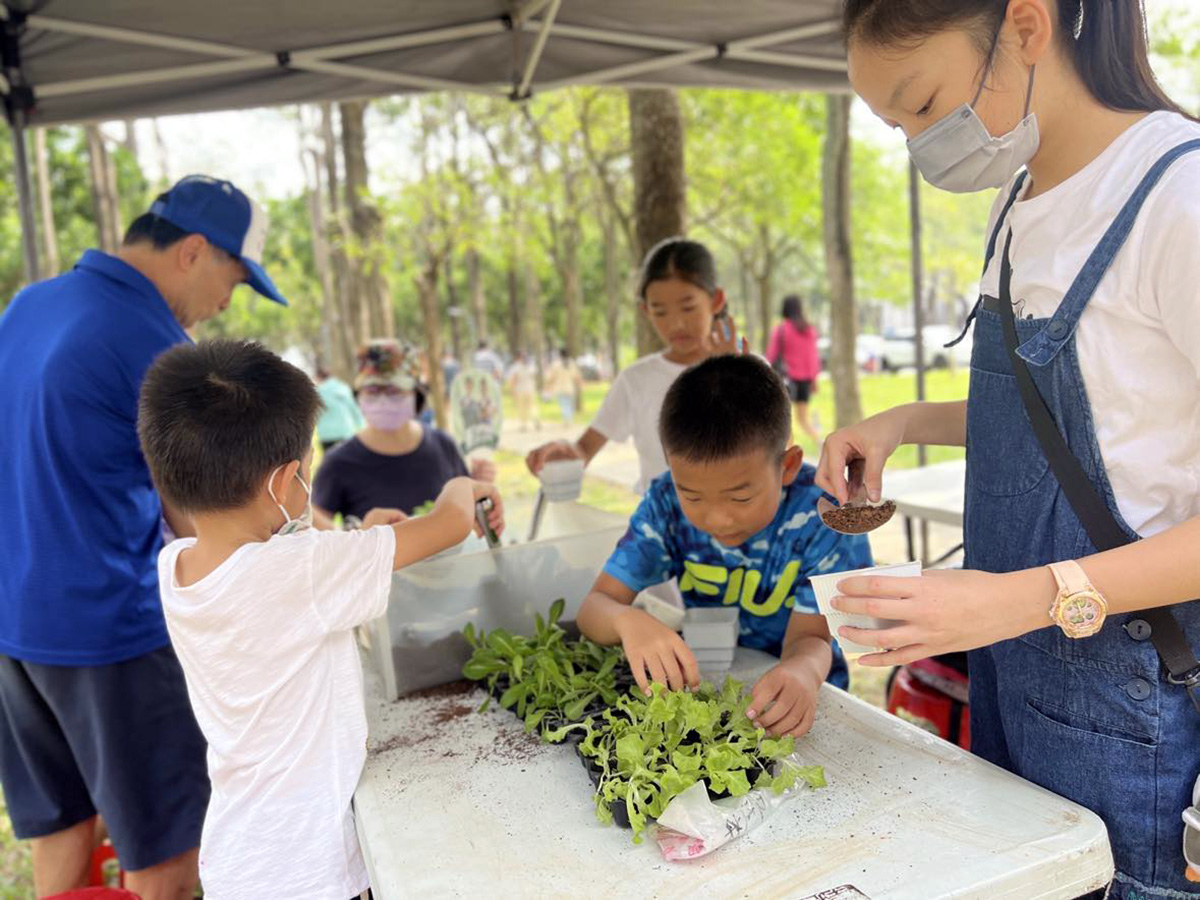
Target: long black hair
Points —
{"points": [[1104, 39], [793, 311], [680, 258]]}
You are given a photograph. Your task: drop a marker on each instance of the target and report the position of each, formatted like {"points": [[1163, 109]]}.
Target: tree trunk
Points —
{"points": [[366, 225], [750, 320], [337, 350], [478, 301], [431, 314], [349, 316], [456, 337], [41, 161], [131, 141], [516, 310], [764, 278], [835, 202], [612, 293], [659, 188], [164, 159], [104, 200], [573, 296], [534, 324]]}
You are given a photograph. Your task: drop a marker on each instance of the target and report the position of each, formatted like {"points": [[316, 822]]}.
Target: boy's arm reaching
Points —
{"points": [[655, 652], [448, 523], [784, 701]]}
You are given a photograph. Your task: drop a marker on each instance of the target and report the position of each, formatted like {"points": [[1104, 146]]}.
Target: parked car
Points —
{"points": [[899, 349], [867, 350]]}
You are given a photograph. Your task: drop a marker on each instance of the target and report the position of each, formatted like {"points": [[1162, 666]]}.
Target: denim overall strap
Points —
{"points": [[1095, 720], [1040, 349]]}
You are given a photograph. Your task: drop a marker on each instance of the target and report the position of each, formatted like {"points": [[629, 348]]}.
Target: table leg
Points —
{"points": [[908, 536]]}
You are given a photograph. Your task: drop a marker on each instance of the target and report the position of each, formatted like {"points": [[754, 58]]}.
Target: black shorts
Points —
{"points": [[799, 391], [119, 740]]}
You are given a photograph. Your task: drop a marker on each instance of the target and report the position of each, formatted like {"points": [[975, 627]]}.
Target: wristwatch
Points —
{"points": [[1079, 609]]}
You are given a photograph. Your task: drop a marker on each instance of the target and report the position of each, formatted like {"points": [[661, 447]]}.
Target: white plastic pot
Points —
{"points": [[711, 628]]}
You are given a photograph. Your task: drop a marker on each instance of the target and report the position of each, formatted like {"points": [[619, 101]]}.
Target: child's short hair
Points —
{"points": [[215, 418], [723, 407]]}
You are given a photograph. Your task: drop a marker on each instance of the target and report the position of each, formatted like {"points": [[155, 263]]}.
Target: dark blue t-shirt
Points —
{"points": [[353, 480], [80, 521], [767, 576]]}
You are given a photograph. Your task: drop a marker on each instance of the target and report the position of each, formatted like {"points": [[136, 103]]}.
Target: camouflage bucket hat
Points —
{"points": [[387, 362]]}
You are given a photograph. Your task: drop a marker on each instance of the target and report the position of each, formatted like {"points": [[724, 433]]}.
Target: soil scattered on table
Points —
{"points": [[442, 712], [453, 689], [858, 519]]}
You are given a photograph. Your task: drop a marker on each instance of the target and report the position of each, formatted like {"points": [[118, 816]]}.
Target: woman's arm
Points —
{"points": [[875, 439], [948, 610]]}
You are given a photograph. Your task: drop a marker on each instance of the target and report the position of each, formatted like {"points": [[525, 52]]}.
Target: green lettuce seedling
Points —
{"points": [[649, 749]]}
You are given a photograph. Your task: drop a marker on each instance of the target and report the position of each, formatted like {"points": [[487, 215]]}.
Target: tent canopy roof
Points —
{"points": [[120, 59]]}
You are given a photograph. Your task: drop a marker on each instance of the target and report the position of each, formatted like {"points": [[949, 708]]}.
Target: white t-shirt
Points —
{"points": [[631, 409], [1138, 339], [273, 673]]}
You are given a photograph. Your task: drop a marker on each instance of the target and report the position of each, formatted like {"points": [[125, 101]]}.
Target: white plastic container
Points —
{"points": [[825, 588], [711, 628], [562, 479]]}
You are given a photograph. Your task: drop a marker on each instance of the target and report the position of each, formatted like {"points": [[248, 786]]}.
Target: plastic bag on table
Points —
{"points": [[694, 825]]}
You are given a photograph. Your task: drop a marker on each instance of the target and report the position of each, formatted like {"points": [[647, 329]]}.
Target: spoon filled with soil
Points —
{"points": [[858, 515]]}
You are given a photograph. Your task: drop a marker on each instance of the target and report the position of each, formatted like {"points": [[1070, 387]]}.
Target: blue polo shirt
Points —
{"points": [[80, 521]]}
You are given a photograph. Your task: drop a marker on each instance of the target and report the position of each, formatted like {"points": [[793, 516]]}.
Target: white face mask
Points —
{"points": [[959, 155], [290, 525]]}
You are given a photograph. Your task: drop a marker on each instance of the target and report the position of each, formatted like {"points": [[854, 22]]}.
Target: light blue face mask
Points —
{"points": [[959, 155], [290, 525]]}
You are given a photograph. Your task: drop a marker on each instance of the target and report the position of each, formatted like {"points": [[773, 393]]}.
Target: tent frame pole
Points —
{"points": [[29, 240]]}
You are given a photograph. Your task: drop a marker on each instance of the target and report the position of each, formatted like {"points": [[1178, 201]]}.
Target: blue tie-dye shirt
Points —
{"points": [[767, 575]]}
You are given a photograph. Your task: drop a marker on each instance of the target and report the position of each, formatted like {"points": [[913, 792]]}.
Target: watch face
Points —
{"points": [[1081, 614]]}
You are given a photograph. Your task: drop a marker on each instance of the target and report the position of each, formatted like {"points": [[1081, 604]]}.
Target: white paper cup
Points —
{"points": [[562, 479], [825, 588]]}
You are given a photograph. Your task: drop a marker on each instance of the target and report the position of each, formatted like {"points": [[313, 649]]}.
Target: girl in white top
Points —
{"points": [[1087, 341], [680, 296]]}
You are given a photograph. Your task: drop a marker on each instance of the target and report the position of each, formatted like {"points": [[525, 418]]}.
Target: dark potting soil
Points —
{"points": [[858, 519]]}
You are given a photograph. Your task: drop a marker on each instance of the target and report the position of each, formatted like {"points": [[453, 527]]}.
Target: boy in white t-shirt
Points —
{"points": [[261, 610]]}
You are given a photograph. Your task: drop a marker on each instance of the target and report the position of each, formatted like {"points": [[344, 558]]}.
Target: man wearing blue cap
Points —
{"points": [[94, 712]]}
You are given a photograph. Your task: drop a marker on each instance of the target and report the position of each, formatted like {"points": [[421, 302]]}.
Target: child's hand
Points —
{"points": [[724, 340], [555, 450], [784, 701], [483, 469], [383, 516], [484, 490], [656, 651]]}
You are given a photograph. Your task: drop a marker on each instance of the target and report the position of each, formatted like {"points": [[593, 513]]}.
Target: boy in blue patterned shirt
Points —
{"points": [[735, 521]]}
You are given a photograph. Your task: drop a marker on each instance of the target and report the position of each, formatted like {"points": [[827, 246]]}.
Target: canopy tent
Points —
{"points": [[79, 60]]}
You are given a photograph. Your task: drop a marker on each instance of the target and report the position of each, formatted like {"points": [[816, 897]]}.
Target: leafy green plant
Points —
{"points": [[424, 508], [649, 749], [547, 680]]}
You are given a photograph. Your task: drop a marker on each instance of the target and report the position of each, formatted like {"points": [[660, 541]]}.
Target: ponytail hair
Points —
{"points": [[1105, 40]]}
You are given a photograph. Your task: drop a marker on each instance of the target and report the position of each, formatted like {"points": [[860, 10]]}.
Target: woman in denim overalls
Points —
{"points": [[1094, 717]]}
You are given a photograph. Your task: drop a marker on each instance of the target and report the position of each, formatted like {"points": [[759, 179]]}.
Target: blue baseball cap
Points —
{"points": [[227, 218]]}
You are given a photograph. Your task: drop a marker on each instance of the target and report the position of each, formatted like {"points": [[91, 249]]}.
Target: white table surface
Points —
{"points": [[460, 804], [933, 493]]}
